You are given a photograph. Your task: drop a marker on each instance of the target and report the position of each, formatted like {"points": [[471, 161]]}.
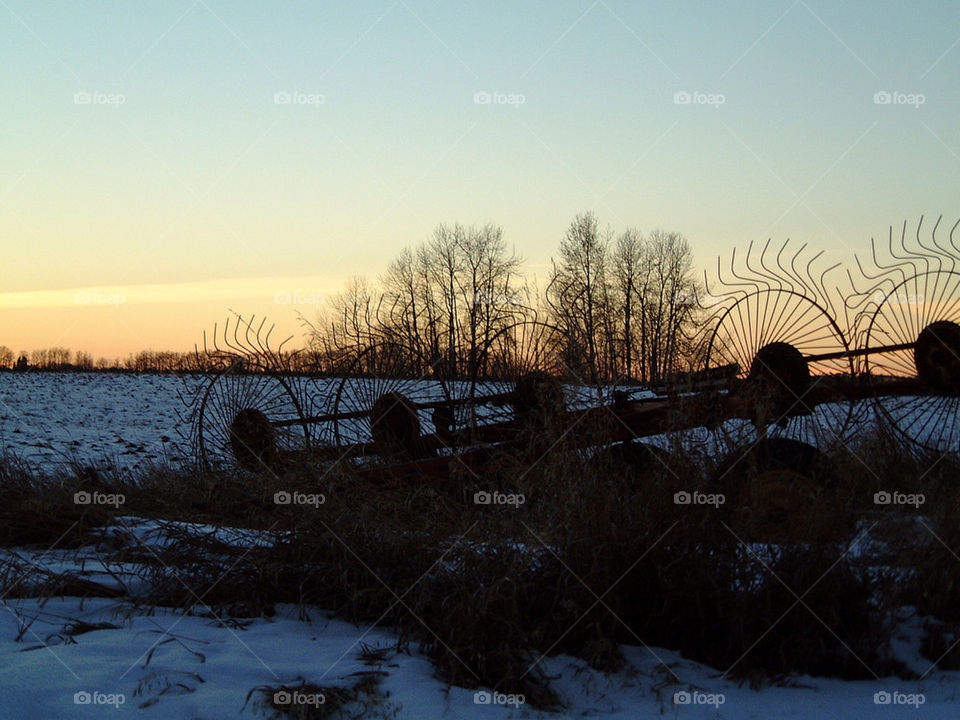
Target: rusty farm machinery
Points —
{"points": [[791, 364]]}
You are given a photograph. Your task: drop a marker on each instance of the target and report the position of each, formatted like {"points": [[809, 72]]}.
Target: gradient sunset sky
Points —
{"points": [[164, 163]]}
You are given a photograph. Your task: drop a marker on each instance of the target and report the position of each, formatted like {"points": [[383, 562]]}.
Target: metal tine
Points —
{"points": [[919, 253], [731, 285], [876, 263], [952, 243], [815, 289], [285, 341], [885, 270], [888, 269], [759, 273], [905, 259], [942, 252], [256, 345], [774, 322], [934, 252], [793, 267], [250, 345], [783, 270], [828, 300], [748, 281], [226, 338], [238, 345], [864, 302], [237, 342], [226, 349], [783, 282], [857, 292], [263, 343], [249, 350], [865, 305]]}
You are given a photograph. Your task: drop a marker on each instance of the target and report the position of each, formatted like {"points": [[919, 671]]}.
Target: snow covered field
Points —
{"points": [[51, 418], [133, 420], [66, 658]]}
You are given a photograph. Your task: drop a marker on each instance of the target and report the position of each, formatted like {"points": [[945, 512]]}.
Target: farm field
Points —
{"points": [[124, 649], [133, 421], [49, 419]]}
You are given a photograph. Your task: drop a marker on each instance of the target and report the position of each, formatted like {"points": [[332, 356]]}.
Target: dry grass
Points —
{"points": [[598, 555]]}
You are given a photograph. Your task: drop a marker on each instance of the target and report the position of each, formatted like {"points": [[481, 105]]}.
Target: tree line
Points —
{"points": [[60, 359], [624, 304]]}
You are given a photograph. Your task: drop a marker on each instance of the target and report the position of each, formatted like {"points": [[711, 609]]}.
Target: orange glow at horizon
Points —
{"points": [[113, 322]]}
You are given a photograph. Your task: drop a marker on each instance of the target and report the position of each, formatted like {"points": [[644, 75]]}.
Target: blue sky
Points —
{"points": [[184, 169]]}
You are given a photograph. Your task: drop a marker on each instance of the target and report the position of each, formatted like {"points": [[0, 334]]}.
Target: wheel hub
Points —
{"points": [[253, 440], [537, 398], [394, 425], [936, 355], [780, 375]]}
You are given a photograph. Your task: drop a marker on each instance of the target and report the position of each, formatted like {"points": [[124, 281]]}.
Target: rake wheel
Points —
{"points": [[526, 380], [251, 417], [920, 317], [776, 323], [386, 399]]}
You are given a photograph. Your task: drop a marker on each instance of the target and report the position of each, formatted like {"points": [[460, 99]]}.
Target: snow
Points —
{"points": [[134, 661], [157, 663], [168, 665], [131, 420]]}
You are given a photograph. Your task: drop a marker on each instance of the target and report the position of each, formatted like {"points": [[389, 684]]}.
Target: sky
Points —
{"points": [[163, 165]]}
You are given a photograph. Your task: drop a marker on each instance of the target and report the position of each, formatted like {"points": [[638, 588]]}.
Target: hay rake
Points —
{"points": [[791, 364]]}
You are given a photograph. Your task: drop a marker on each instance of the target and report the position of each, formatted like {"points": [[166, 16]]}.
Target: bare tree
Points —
{"points": [[487, 285], [670, 312], [629, 291], [578, 292], [448, 296], [348, 321]]}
